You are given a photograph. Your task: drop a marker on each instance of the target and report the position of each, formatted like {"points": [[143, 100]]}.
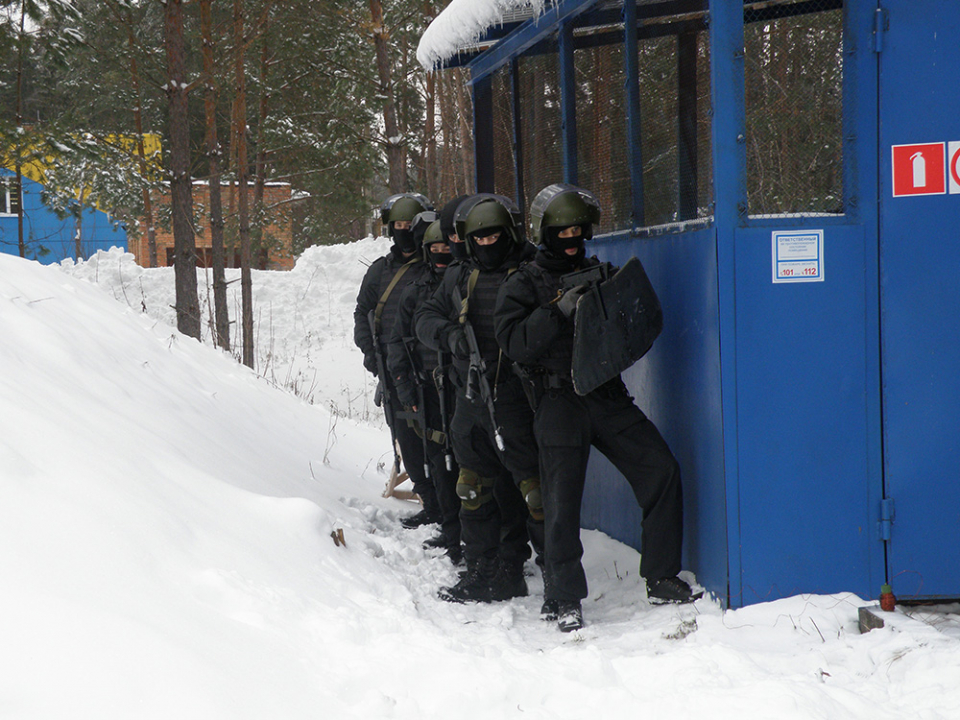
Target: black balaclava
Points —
{"points": [[439, 261], [556, 245], [490, 257], [404, 240], [458, 249]]}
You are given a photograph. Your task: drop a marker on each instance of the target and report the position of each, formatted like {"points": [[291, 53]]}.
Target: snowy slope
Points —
{"points": [[165, 549]]}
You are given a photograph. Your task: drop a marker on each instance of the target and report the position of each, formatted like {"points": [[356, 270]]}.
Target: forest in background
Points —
{"points": [[331, 99]]}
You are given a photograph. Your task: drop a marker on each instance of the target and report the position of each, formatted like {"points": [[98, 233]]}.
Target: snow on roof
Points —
{"points": [[463, 22]]}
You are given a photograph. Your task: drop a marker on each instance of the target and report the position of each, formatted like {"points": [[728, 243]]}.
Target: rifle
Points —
{"points": [[420, 414], [477, 379], [383, 390], [440, 380], [591, 276]]}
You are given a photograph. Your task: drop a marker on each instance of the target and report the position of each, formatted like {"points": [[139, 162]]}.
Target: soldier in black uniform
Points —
{"points": [[457, 247], [420, 374], [492, 434], [534, 326], [379, 294]]}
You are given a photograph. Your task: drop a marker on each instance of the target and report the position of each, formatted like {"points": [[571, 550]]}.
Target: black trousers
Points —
{"points": [[444, 480], [566, 426], [411, 450], [499, 525]]}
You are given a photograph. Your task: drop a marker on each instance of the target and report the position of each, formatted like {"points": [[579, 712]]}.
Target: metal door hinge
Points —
{"points": [[887, 514], [881, 23]]}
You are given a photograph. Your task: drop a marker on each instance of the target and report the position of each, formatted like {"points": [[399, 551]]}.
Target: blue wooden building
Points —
{"points": [[48, 238], [788, 172]]}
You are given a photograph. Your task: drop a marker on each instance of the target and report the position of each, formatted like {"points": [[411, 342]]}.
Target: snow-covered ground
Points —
{"points": [[166, 551]]}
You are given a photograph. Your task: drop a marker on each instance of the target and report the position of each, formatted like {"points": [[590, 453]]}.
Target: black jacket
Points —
{"points": [[398, 338], [529, 327], [438, 317], [374, 284]]}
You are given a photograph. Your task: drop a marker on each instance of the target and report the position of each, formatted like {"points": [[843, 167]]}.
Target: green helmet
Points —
{"points": [[486, 211], [432, 235], [561, 205], [404, 206]]}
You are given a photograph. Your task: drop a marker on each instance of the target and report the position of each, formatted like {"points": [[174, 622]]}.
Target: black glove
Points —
{"points": [[370, 362], [457, 342], [406, 392], [567, 304]]}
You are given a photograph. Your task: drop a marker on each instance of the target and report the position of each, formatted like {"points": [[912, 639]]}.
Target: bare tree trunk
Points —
{"points": [[181, 199], [243, 172], [393, 143], [260, 163], [141, 152], [220, 311], [78, 227], [18, 161]]}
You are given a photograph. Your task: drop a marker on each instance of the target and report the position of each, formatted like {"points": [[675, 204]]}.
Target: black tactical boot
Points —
{"points": [[569, 616], [548, 611], [474, 585], [670, 590], [451, 549], [416, 520], [508, 581]]}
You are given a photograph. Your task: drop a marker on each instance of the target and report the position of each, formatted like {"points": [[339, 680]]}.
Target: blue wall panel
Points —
{"points": [[806, 524], [919, 74], [677, 384]]}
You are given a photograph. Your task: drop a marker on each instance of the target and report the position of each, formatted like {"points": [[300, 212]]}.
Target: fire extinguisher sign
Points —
{"points": [[919, 169]]}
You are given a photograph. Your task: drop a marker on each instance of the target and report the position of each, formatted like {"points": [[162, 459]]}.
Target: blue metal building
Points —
{"points": [[798, 216], [48, 238]]}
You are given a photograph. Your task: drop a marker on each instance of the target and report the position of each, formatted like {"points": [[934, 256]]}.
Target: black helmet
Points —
{"points": [[559, 206], [447, 215]]}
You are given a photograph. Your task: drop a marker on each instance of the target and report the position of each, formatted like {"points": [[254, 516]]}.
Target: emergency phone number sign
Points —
{"points": [[926, 168], [797, 256]]}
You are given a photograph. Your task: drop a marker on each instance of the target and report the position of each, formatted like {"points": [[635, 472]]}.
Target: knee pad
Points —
{"points": [[473, 490], [530, 489]]}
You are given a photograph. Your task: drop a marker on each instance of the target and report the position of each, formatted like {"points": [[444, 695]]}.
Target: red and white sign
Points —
{"points": [[919, 169], [953, 166]]}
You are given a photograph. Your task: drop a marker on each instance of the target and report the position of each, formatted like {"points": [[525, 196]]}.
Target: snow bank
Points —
{"points": [[165, 552]]}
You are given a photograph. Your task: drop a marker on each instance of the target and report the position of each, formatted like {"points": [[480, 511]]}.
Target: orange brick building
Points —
{"points": [[278, 234]]}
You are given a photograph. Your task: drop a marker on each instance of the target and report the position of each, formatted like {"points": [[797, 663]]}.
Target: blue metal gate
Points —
{"points": [[919, 61]]}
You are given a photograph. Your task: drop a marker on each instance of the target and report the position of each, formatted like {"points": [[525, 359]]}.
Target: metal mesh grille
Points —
{"points": [[503, 144], [675, 120], [794, 111], [540, 121], [675, 140], [603, 154]]}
